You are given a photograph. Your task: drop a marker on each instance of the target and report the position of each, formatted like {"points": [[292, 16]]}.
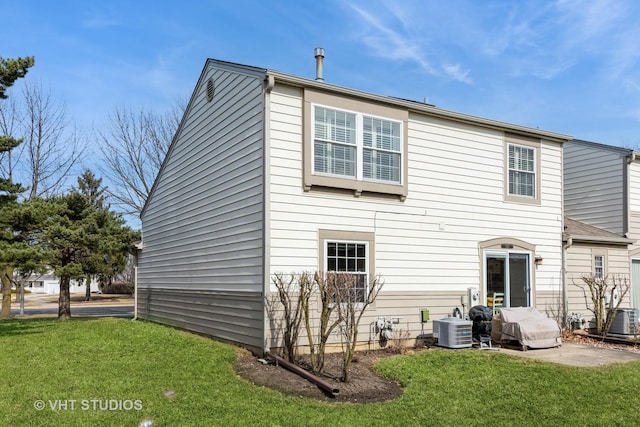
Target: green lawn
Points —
{"points": [[139, 371]]}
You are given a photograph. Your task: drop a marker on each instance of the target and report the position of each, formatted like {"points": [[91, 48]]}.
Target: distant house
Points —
{"points": [[602, 203], [50, 284], [270, 172]]}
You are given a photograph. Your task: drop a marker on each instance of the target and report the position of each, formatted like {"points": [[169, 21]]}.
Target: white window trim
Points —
{"points": [[603, 266], [366, 260], [359, 146], [526, 142], [534, 172], [348, 237]]}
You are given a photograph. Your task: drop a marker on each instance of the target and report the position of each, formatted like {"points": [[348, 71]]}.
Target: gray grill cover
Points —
{"points": [[526, 325]]}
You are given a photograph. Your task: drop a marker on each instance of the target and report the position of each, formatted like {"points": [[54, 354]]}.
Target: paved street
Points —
{"points": [[101, 306]]}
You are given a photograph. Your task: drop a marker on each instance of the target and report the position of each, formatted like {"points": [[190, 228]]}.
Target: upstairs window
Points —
{"points": [[522, 171], [358, 146], [334, 150]]}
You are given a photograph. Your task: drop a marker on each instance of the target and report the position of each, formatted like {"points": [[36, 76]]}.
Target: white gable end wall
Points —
{"points": [[427, 245]]}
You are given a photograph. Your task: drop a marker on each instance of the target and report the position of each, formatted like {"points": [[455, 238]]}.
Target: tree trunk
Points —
{"points": [[64, 302], [7, 273], [87, 295]]}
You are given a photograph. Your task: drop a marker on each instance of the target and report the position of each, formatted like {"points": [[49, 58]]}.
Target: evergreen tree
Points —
{"points": [[68, 236], [91, 188], [86, 239], [10, 244]]}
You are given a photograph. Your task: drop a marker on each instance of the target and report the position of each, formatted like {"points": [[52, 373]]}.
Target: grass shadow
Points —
{"points": [[9, 327]]}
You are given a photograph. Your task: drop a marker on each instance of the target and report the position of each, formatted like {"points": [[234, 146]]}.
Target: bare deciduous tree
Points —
{"points": [[51, 147], [133, 147]]}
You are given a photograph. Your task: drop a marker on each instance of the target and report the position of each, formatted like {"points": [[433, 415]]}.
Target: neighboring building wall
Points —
{"points": [[594, 191], [426, 247], [634, 227], [634, 203], [201, 266], [580, 263]]}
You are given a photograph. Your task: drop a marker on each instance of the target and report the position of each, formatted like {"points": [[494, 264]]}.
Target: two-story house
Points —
{"points": [[273, 173], [602, 209]]}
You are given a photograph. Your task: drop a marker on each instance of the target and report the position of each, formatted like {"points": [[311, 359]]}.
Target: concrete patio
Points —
{"points": [[576, 355]]}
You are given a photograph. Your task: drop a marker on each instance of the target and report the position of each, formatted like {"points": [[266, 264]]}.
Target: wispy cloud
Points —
{"points": [[388, 43], [99, 22], [457, 73], [395, 44]]}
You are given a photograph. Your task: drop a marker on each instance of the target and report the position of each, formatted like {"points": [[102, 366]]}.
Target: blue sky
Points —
{"points": [[566, 66]]}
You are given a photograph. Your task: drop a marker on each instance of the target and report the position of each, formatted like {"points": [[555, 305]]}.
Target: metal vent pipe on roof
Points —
{"points": [[319, 53]]}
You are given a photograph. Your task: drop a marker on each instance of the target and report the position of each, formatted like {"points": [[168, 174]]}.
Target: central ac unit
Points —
{"points": [[625, 322], [453, 332]]}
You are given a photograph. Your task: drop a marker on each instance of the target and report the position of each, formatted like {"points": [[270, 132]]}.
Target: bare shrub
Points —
{"points": [[601, 296], [342, 302], [352, 302], [326, 286], [293, 293]]}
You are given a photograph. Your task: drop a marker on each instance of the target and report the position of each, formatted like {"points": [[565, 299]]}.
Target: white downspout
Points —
{"points": [[565, 308]]}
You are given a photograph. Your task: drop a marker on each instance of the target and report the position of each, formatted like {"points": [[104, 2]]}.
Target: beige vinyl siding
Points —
{"points": [[403, 307], [427, 245], [634, 231], [395, 305], [203, 225], [580, 263], [593, 181]]}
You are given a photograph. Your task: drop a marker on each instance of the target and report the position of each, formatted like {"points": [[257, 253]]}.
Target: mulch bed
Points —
{"points": [[365, 386]]}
